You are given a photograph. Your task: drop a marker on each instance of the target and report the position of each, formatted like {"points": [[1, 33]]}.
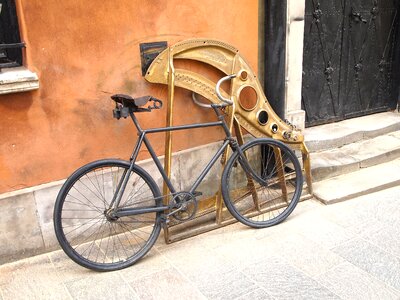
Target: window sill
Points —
{"points": [[20, 79]]}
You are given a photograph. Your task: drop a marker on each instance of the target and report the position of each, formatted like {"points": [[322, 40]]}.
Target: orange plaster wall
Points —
{"points": [[83, 51]]}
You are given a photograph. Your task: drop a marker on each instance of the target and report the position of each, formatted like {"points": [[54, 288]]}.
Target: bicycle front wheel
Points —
{"points": [[267, 194], [86, 231]]}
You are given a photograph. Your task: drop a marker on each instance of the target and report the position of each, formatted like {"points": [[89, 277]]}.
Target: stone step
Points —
{"points": [[352, 157], [334, 135], [361, 182]]}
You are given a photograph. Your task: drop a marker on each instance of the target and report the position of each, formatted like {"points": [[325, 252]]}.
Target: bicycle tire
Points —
{"points": [[83, 230], [264, 203]]}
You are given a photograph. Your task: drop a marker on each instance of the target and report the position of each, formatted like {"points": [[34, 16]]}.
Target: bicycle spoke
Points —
{"points": [[99, 195], [90, 219], [82, 204], [84, 197], [134, 235], [95, 239], [82, 232], [130, 196], [132, 190], [262, 204], [86, 226]]}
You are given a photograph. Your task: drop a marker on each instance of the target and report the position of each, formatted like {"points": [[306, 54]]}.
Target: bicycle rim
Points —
{"points": [[262, 203], [87, 233]]}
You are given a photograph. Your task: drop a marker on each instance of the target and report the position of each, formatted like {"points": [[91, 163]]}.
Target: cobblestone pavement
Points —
{"points": [[349, 250]]}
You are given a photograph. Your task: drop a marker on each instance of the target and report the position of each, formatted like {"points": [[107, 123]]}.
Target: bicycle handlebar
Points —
{"points": [[217, 91], [197, 102]]}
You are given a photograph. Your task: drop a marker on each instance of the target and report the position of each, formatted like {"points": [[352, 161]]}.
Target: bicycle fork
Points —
{"points": [[245, 163]]}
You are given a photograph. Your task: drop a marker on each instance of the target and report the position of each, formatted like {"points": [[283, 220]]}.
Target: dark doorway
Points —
{"points": [[10, 42], [350, 59], [275, 53]]}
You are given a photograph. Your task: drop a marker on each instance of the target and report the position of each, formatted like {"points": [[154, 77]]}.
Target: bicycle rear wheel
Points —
{"points": [[87, 233], [268, 196]]}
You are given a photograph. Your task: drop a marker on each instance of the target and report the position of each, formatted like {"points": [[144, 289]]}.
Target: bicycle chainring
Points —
{"points": [[185, 206]]}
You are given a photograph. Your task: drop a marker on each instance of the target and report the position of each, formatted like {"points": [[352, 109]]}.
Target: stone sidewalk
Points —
{"points": [[349, 250]]}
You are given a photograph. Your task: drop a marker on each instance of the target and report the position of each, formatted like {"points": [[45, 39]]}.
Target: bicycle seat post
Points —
{"points": [[136, 122]]}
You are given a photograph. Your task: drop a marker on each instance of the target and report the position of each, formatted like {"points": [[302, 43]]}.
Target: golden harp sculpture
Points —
{"points": [[256, 116]]}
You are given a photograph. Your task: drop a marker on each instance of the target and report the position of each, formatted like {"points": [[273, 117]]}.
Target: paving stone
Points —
{"points": [[204, 268], [304, 254], [307, 206], [197, 259], [226, 235], [347, 216], [20, 233], [375, 151], [165, 284], [367, 212], [283, 281], [33, 278], [360, 229], [237, 262], [317, 139], [395, 134], [387, 209], [351, 130], [373, 260], [350, 158], [385, 237], [304, 210], [241, 245], [352, 145], [153, 262], [323, 232], [67, 269], [332, 163], [258, 294], [377, 124], [242, 252], [232, 284], [358, 183], [101, 286], [350, 282]]}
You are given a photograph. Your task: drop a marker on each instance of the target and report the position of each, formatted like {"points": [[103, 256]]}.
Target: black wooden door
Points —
{"points": [[350, 60]]}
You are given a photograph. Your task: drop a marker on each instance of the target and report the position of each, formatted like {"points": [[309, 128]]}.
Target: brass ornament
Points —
{"points": [[250, 110]]}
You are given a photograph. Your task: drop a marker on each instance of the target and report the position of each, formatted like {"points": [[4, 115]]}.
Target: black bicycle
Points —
{"points": [[109, 213]]}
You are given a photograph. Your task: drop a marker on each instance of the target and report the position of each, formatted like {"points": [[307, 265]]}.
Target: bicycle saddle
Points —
{"points": [[128, 101]]}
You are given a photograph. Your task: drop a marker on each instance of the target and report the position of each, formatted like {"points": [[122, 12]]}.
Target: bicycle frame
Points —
{"points": [[229, 140]]}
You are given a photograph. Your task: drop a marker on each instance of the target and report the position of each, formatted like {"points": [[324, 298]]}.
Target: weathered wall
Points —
{"points": [[83, 51]]}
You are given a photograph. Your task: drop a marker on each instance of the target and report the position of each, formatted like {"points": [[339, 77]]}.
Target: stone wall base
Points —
{"points": [[26, 223]]}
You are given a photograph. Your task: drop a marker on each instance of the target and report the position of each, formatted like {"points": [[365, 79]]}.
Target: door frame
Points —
{"points": [[282, 61]]}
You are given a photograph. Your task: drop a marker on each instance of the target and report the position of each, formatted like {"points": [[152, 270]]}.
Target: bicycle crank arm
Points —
{"points": [[123, 212], [174, 211]]}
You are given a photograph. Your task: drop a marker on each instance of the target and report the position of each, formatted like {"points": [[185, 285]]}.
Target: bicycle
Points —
{"points": [[109, 213]]}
